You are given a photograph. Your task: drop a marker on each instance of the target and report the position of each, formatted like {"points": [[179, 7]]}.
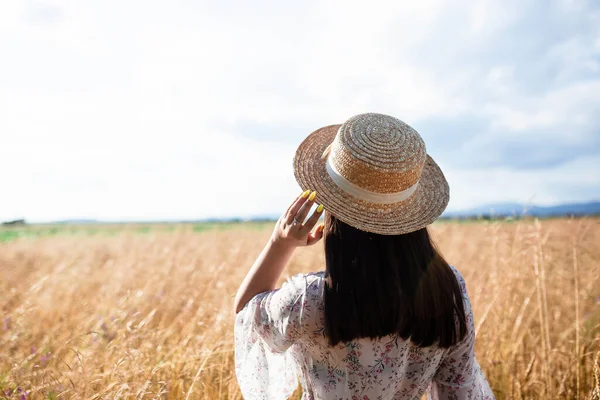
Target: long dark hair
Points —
{"points": [[379, 285]]}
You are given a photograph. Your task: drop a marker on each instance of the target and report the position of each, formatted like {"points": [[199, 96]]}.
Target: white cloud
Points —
{"points": [[123, 110]]}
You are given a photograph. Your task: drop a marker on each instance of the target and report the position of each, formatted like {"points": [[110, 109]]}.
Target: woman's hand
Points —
{"points": [[292, 229]]}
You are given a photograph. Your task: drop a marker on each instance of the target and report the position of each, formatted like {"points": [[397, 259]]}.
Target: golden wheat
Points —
{"points": [[150, 316]]}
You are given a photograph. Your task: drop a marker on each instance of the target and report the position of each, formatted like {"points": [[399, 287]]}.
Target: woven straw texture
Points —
{"points": [[380, 154]]}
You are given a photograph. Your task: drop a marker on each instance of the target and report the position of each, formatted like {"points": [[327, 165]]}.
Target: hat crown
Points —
{"points": [[378, 153]]}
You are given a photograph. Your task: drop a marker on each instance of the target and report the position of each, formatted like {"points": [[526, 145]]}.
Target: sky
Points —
{"points": [[158, 110]]}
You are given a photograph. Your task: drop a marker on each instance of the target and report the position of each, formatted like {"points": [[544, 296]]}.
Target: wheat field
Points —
{"points": [[130, 315]]}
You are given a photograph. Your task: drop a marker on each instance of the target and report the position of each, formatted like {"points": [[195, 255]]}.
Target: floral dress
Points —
{"points": [[279, 338]]}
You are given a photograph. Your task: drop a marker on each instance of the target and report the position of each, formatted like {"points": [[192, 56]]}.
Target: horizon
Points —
{"points": [[485, 210], [160, 111]]}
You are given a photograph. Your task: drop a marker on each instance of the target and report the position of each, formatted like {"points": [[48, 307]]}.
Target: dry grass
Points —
{"points": [[149, 316]]}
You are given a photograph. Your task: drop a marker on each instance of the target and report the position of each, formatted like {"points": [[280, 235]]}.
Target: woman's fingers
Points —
{"points": [[315, 236], [312, 221], [303, 211], [293, 209]]}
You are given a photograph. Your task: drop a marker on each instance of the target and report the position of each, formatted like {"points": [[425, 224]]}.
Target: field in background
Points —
{"points": [[145, 311], [12, 233]]}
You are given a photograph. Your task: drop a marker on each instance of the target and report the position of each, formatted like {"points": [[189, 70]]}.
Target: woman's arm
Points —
{"points": [[290, 232]]}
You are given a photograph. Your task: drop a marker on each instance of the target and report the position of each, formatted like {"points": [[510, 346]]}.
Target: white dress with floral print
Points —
{"points": [[279, 337]]}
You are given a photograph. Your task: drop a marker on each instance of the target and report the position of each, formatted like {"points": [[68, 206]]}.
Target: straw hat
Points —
{"points": [[373, 173]]}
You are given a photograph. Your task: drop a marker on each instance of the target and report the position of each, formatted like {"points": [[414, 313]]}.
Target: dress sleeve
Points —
{"points": [[264, 329], [459, 376]]}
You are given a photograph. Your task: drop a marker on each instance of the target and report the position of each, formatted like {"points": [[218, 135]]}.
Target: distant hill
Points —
{"points": [[14, 222], [520, 210]]}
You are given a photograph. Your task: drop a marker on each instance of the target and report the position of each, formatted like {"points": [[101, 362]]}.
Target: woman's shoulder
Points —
{"points": [[307, 282], [463, 289], [459, 279], [304, 291], [302, 295]]}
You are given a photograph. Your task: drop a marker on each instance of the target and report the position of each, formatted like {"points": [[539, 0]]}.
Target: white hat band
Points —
{"points": [[367, 195]]}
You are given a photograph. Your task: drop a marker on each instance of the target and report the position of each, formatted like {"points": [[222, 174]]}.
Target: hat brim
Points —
{"points": [[425, 205]]}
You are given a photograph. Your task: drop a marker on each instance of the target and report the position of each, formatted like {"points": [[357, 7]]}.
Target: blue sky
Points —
{"points": [[188, 109]]}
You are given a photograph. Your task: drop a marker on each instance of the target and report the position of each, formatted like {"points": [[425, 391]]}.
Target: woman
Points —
{"points": [[389, 318]]}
